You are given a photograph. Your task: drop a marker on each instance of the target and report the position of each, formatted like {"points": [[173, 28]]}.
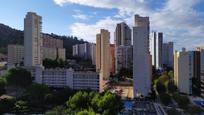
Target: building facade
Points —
{"points": [[103, 58], [202, 72], [15, 55], [32, 39], [156, 40], [168, 54], [86, 51], [122, 36], [93, 54], [142, 67], [60, 78], [183, 71], [50, 42], [124, 57], [112, 54]]}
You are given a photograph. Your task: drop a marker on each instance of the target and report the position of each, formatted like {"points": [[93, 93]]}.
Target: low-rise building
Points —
{"points": [[67, 77]]}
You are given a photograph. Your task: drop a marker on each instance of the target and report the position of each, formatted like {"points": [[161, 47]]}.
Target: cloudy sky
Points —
{"points": [[181, 21]]}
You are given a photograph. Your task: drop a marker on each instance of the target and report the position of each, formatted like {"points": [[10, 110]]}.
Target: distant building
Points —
{"points": [[124, 57], [156, 40], [60, 78], [84, 51], [122, 45], [93, 54], [112, 54], [51, 42], [61, 53], [168, 54], [15, 55], [122, 35], [53, 53], [52, 48], [32, 39], [142, 67]]}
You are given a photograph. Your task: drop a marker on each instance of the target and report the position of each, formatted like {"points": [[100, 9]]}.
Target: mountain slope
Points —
{"points": [[9, 35]]}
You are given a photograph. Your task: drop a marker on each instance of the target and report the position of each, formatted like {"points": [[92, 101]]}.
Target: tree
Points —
{"points": [[36, 95], [6, 104], [125, 72], [173, 111], [171, 87], [110, 103], [182, 101], [80, 100], [62, 95], [59, 110], [18, 77], [105, 103], [165, 98], [2, 86], [86, 112], [21, 107], [194, 110], [49, 63], [160, 87]]}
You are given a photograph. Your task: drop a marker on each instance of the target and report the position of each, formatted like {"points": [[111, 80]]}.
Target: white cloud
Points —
{"points": [[178, 20], [80, 16], [88, 32]]}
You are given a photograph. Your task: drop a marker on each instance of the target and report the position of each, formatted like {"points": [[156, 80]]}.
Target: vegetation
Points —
{"points": [[125, 72], [105, 104], [49, 63], [2, 86], [6, 104], [194, 110], [18, 77], [165, 98], [173, 111], [183, 101]]}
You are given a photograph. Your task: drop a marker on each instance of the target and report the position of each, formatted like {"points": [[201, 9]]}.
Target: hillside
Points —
{"points": [[9, 35]]}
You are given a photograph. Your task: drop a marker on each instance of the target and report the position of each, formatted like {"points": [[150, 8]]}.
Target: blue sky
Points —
{"points": [[181, 22]]}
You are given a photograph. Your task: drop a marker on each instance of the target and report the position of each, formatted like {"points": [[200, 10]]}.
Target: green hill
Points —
{"points": [[10, 35]]}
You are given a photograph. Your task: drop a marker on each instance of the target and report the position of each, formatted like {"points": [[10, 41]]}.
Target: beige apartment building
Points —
{"points": [[51, 42], [15, 55], [32, 39], [103, 58]]}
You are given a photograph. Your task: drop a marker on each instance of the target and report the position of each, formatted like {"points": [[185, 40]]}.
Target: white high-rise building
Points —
{"points": [[142, 67], [156, 40], [32, 39], [184, 70]]}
